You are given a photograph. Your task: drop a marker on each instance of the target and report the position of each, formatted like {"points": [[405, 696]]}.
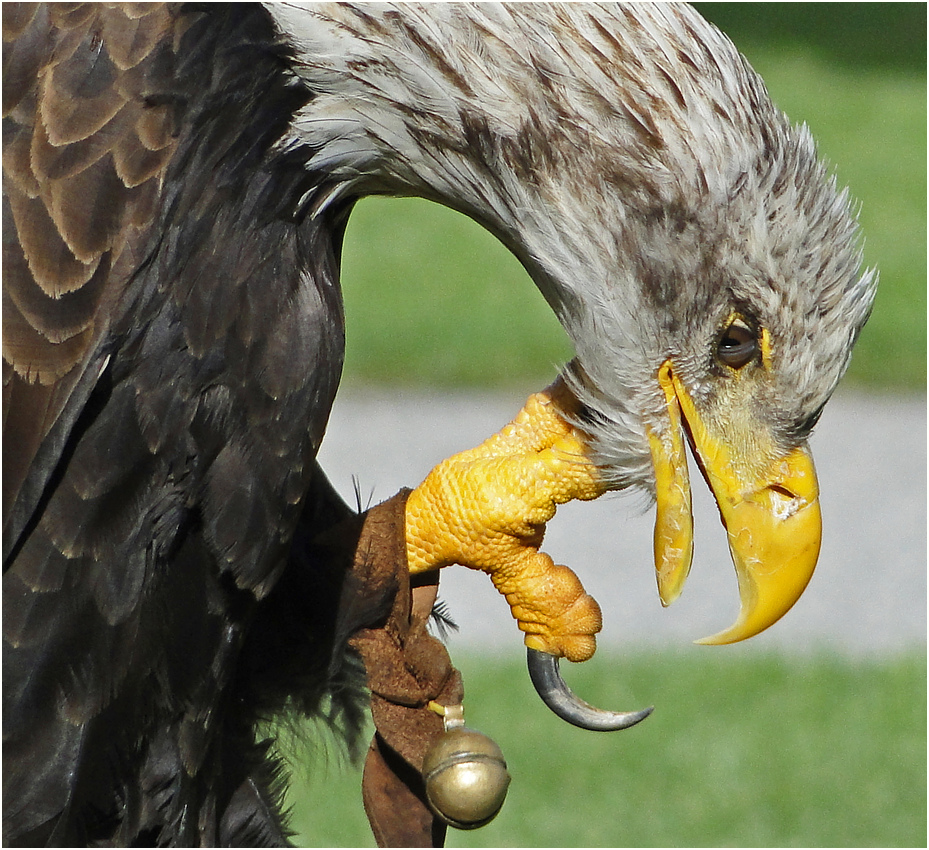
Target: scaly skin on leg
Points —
{"points": [[486, 509]]}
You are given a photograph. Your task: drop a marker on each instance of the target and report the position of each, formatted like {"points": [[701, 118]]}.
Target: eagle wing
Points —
{"points": [[85, 149], [172, 344]]}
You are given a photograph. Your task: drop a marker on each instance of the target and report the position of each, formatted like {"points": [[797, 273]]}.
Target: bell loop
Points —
{"points": [[452, 715]]}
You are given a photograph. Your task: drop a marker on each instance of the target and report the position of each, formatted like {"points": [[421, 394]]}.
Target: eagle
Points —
{"points": [[177, 179]]}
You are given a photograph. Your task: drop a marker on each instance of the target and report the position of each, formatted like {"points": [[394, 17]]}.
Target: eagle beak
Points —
{"points": [[771, 514], [674, 521]]}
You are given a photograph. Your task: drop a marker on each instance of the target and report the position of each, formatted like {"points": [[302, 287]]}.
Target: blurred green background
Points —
{"points": [[745, 750]]}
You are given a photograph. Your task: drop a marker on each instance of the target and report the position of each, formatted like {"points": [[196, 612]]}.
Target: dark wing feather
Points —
{"points": [[172, 345], [77, 206]]}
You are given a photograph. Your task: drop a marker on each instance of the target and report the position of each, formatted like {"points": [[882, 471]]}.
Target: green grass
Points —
{"points": [[742, 750], [887, 36], [433, 300], [855, 35]]}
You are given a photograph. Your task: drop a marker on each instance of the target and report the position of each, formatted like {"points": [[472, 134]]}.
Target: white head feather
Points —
{"points": [[634, 163]]}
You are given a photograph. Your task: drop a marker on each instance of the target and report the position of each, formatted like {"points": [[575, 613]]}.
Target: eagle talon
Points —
{"points": [[555, 693]]}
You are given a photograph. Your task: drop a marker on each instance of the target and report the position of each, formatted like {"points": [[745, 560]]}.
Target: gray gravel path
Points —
{"points": [[868, 596]]}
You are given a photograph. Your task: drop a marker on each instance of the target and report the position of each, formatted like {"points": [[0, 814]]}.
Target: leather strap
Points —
{"points": [[407, 668]]}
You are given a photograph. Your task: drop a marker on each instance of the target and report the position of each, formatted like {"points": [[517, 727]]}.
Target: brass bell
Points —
{"points": [[465, 774]]}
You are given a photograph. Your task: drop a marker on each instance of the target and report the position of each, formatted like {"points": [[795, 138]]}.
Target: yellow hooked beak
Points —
{"points": [[769, 505]]}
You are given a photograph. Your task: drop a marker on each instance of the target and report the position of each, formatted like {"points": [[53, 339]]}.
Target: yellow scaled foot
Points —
{"points": [[486, 509]]}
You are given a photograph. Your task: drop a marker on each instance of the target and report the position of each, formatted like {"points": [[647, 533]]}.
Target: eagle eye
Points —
{"points": [[738, 345]]}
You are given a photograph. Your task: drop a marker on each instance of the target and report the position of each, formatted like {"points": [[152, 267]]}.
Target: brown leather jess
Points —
{"points": [[406, 669]]}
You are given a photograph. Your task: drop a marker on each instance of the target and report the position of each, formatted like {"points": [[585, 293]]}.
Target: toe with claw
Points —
{"points": [[486, 509]]}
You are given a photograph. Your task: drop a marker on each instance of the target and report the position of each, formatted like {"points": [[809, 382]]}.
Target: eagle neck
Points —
{"points": [[433, 102]]}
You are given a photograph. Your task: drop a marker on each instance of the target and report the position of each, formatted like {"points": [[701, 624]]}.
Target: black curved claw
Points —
{"points": [[555, 693]]}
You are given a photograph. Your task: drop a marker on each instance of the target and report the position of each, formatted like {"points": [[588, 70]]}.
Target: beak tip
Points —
{"points": [[721, 639], [735, 633], [668, 597]]}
